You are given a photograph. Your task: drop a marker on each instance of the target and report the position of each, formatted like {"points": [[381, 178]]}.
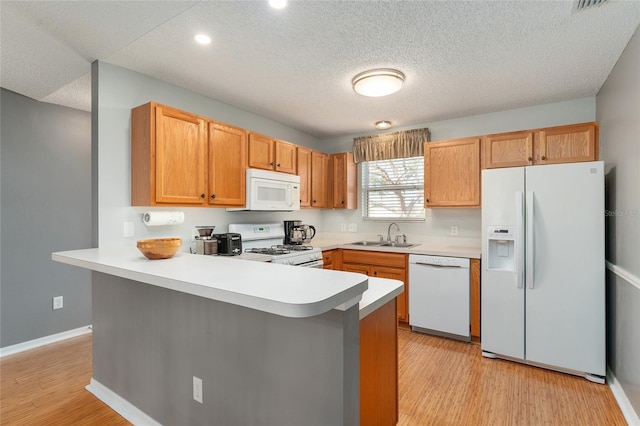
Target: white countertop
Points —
{"points": [[451, 247], [381, 291], [279, 289]]}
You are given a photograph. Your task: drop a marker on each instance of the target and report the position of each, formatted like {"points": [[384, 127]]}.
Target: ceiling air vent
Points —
{"points": [[588, 4]]}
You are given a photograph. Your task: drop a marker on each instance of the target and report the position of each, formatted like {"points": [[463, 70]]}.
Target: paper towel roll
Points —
{"points": [[163, 218]]}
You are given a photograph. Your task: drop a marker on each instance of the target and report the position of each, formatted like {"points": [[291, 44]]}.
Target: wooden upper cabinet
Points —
{"points": [[168, 156], [344, 180], [567, 144], [552, 145], [261, 153], [304, 171], [271, 154], [507, 150], [452, 173], [227, 165], [286, 157], [319, 179]]}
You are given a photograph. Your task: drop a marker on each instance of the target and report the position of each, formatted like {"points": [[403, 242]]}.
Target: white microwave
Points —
{"points": [[271, 191]]}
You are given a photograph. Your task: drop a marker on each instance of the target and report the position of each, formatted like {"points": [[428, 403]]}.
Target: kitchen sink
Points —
{"points": [[366, 243], [398, 245]]}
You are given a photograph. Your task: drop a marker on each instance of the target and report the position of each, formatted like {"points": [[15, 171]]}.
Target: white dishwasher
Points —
{"points": [[439, 294]]}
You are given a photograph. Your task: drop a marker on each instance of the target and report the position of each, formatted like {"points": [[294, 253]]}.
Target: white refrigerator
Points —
{"points": [[543, 267]]}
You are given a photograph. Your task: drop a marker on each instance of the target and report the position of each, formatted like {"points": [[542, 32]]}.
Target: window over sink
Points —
{"points": [[393, 189]]}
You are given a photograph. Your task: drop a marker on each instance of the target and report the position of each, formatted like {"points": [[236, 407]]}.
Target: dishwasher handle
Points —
{"points": [[436, 266]]}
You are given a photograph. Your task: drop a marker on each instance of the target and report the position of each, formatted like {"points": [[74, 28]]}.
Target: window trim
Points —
{"points": [[365, 191]]}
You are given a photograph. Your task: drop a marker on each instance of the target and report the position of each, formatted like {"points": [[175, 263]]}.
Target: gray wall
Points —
{"points": [[439, 221], [45, 206], [256, 368], [118, 91], [618, 111]]}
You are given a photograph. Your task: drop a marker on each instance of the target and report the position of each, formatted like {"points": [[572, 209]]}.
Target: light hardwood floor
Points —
{"points": [[442, 382]]}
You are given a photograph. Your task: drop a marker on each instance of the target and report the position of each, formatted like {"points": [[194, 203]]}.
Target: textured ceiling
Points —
{"points": [[295, 65]]}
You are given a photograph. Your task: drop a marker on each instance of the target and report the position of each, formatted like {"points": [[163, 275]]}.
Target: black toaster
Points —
{"points": [[229, 244]]}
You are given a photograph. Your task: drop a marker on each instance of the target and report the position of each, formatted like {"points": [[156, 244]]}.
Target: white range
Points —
{"points": [[267, 239]]}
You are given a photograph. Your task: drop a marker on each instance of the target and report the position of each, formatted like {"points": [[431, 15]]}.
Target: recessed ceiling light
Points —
{"points": [[383, 124], [378, 82], [202, 38], [278, 4]]}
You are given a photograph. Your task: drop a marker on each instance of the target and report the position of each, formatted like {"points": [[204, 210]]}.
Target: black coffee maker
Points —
{"points": [[295, 232]]}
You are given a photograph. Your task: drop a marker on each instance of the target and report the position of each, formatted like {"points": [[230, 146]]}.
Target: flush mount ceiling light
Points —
{"points": [[278, 4], [378, 82], [202, 39], [383, 124]]}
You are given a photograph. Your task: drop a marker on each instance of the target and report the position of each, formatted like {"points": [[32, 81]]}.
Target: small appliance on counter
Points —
{"points": [[229, 244], [295, 232], [205, 241]]}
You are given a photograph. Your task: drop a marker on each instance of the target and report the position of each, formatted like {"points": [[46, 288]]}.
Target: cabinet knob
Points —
{"points": [[375, 272], [278, 165], [213, 195], [201, 195], [271, 163], [427, 200], [314, 201], [530, 158], [543, 158], [342, 201]]}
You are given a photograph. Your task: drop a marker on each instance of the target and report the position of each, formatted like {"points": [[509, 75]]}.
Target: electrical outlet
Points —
{"points": [[57, 302], [197, 389], [454, 230], [343, 227], [353, 227], [127, 229]]}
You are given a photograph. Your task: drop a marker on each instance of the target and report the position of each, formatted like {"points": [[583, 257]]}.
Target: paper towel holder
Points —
{"points": [[163, 218]]}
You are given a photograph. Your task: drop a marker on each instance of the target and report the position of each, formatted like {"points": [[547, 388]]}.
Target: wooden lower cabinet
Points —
{"points": [[379, 367], [327, 259], [381, 265], [475, 299]]}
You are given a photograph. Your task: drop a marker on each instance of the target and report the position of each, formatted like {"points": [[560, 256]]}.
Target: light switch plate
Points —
{"points": [[353, 227], [127, 229]]}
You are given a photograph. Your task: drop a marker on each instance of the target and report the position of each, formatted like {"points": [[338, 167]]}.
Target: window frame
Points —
{"points": [[365, 185]]}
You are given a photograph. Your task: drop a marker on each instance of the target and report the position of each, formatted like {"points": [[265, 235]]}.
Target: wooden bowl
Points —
{"points": [[159, 248]]}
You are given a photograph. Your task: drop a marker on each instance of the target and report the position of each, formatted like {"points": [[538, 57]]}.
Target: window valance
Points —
{"points": [[403, 144]]}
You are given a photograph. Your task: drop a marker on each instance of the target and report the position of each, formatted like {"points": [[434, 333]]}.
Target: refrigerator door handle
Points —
{"points": [[519, 239], [530, 241]]}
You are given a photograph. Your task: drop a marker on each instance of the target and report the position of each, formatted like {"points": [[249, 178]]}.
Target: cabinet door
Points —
{"points": [[180, 157], [319, 175], [286, 158], [452, 173], [304, 171], [327, 259], [395, 274], [567, 144], [344, 179], [261, 152], [507, 150], [227, 165]]}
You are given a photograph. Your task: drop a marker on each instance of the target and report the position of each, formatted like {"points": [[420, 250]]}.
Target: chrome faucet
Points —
{"points": [[389, 231]]}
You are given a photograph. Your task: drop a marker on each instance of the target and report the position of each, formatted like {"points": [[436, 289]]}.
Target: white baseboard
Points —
{"points": [[120, 405], [32, 344], [629, 413]]}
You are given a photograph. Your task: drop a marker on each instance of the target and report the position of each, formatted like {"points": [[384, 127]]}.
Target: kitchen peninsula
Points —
{"points": [[272, 344]]}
